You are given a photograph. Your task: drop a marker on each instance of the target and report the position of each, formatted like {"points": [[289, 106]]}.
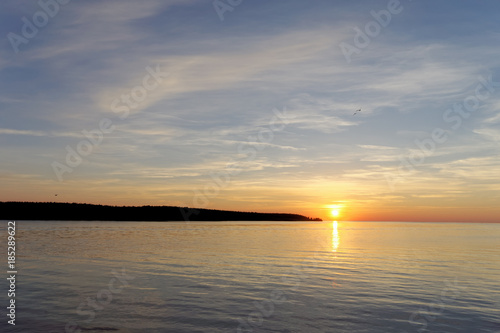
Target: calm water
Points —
{"points": [[256, 277]]}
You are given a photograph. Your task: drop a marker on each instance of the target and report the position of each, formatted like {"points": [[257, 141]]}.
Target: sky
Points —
{"points": [[251, 106]]}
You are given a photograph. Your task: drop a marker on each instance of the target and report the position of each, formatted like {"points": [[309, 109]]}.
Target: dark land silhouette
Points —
{"points": [[89, 212]]}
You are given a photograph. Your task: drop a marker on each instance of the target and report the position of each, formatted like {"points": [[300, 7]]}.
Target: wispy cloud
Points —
{"points": [[8, 131]]}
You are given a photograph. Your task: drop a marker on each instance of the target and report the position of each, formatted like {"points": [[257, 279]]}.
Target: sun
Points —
{"points": [[336, 210]]}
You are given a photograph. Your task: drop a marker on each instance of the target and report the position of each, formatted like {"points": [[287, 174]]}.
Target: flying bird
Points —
{"points": [[359, 110]]}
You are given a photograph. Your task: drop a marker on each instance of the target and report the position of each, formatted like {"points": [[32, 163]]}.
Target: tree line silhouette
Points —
{"points": [[91, 212]]}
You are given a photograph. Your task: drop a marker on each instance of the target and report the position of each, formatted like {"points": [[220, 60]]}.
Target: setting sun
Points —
{"points": [[335, 210]]}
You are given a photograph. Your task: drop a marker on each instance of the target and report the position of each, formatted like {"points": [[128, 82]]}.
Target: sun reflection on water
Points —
{"points": [[335, 236]]}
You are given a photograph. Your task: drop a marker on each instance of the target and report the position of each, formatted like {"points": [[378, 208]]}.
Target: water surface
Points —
{"points": [[257, 277]]}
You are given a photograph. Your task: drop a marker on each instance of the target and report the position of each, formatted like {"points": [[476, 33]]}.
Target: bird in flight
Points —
{"points": [[359, 110]]}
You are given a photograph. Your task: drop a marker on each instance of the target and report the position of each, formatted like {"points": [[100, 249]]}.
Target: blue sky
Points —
{"points": [[225, 78]]}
